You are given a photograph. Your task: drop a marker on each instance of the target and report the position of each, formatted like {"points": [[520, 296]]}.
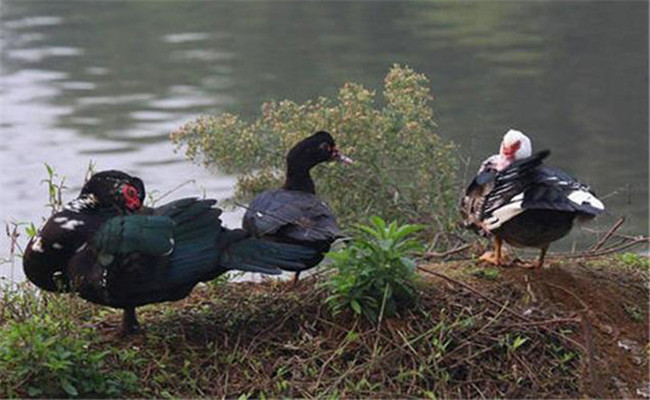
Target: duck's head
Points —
{"points": [[114, 189], [514, 146], [319, 147]]}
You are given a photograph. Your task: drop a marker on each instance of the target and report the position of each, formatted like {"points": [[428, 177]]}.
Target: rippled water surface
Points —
{"points": [[107, 80]]}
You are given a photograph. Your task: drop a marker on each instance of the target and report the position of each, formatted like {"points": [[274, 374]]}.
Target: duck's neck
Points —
{"points": [[298, 178]]}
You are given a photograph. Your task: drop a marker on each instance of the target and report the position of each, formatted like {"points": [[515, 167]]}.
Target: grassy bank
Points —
{"points": [[577, 328]]}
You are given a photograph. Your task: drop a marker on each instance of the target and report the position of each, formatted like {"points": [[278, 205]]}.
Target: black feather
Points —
{"points": [[513, 180]]}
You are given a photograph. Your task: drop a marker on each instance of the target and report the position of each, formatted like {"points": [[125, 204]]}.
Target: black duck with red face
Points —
{"points": [[294, 214], [516, 199], [107, 249]]}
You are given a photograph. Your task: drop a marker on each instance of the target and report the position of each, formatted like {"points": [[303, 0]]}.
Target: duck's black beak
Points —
{"points": [[338, 156]]}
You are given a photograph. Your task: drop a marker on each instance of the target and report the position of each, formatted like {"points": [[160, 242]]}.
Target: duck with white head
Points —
{"points": [[514, 198], [514, 146]]}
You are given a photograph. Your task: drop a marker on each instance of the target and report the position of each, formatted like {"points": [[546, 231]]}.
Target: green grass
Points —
{"points": [[634, 260], [48, 349]]}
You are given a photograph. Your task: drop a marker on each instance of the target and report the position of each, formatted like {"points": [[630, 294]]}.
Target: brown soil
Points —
{"points": [[614, 307], [611, 302]]}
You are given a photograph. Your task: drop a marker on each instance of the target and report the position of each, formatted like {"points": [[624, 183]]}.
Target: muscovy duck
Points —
{"points": [[103, 246], [294, 214], [516, 199]]}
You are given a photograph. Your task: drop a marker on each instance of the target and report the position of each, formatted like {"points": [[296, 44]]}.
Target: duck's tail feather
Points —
{"points": [[250, 254]]}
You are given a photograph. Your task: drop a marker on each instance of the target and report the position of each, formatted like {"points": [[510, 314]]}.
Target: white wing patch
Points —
{"points": [[71, 224], [504, 213], [582, 196], [60, 220], [37, 245], [57, 246], [80, 248]]}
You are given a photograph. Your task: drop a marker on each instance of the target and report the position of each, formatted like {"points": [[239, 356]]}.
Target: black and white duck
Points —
{"points": [[517, 199], [103, 246], [293, 213]]}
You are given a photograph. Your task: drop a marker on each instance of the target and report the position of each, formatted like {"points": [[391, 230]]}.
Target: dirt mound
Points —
{"points": [[613, 304], [607, 300], [574, 329]]}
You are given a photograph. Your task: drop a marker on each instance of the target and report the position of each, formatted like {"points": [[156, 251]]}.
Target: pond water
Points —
{"points": [[107, 81]]}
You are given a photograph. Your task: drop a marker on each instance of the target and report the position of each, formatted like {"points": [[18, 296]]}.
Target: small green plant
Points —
{"points": [[634, 260], [55, 189], [404, 171], [374, 272], [490, 274], [563, 356], [633, 312], [513, 342]]}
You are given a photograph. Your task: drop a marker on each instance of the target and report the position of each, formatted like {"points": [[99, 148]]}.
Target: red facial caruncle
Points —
{"points": [[131, 197], [510, 151]]}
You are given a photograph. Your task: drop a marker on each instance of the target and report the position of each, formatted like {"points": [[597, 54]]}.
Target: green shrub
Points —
{"points": [[45, 353], [374, 272], [404, 171]]}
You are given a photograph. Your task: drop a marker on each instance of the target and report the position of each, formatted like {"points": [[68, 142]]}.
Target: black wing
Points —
{"points": [[513, 180], [553, 189], [294, 215], [49, 251]]}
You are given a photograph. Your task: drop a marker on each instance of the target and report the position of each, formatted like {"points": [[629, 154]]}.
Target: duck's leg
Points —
{"points": [[494, 257], [540, 260], [129, 321], [294, 281]]}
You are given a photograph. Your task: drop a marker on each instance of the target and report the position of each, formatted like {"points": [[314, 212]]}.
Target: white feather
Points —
{"points": [[37, 244], [80, 248], [71, 224], [57, 246], [582, 196], [505, 213]]}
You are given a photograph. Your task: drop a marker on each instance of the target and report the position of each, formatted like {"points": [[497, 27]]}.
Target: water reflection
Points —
{"points": [[108, 80]]}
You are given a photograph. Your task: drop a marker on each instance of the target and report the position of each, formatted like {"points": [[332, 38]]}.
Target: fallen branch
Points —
{"points": [[638, 241], [609, 234], [432, 254], [545, 322]]}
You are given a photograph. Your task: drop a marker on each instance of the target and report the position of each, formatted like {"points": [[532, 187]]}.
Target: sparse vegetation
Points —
{"points": [[488, 273], [635, 260], [260, 340]]}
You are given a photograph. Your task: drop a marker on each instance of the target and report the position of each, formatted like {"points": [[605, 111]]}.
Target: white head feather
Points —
{"points": [[514, 146], [512, 137]]}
